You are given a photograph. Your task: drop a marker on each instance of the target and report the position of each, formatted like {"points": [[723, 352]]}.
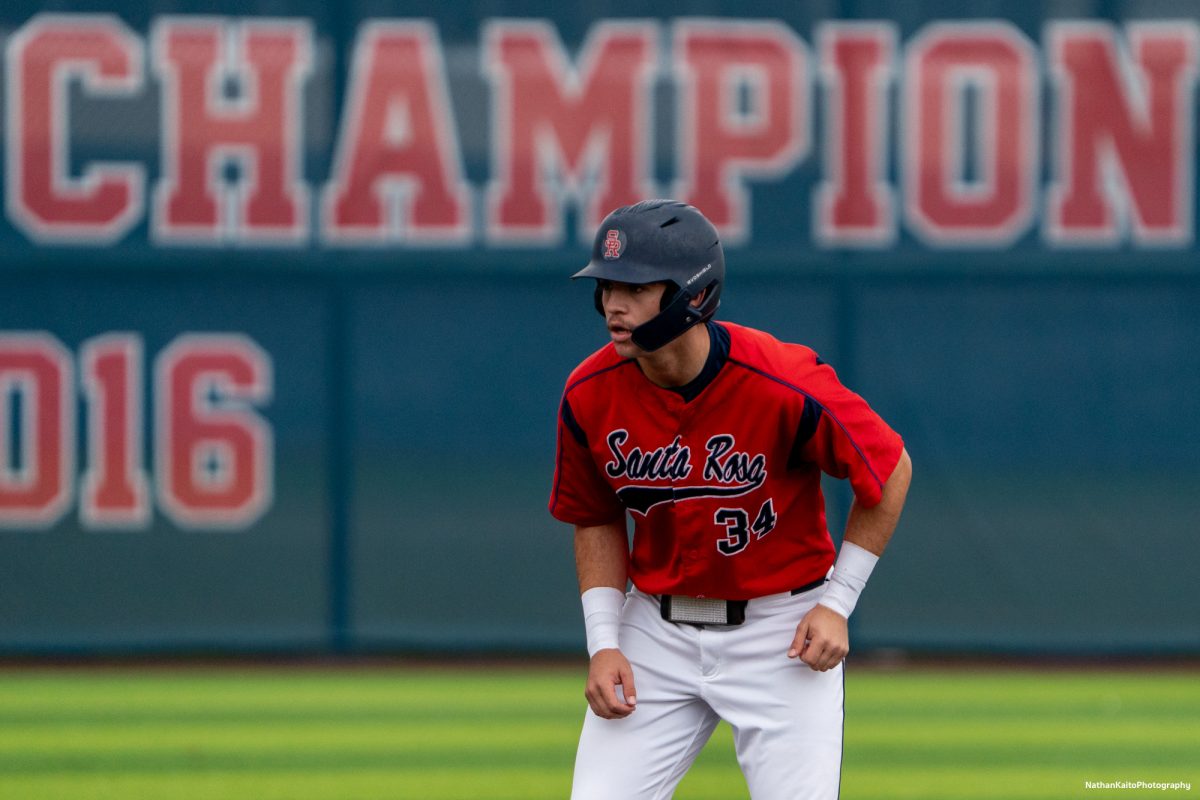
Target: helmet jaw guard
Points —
{"points": [[661, 241], [677, 316]]}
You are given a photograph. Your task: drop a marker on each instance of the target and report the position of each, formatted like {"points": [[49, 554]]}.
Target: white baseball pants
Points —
{"points": [[786, 718]]}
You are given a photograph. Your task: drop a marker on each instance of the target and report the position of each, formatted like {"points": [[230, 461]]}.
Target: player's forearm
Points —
{"points": [[872, 528], [868, 531], [601, 555]]}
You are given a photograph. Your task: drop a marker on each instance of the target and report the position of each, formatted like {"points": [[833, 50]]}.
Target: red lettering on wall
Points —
{"points": [[398, 173], [564, 132], [42, 60], [744, 111], [996, 62], [213, 455], [855, 204], [115, 489], [203, 131], [1125, 134], [37, 470]]}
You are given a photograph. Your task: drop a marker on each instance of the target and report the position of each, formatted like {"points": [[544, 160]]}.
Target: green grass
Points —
{"points": [[496, 734]]}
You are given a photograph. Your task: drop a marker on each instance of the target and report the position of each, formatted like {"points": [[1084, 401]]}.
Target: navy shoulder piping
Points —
{"points": [[591, 375], [820, 405]]}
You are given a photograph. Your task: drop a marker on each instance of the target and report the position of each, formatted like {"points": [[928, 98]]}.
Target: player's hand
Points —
{"points": [[610, 669], [822, 639]]}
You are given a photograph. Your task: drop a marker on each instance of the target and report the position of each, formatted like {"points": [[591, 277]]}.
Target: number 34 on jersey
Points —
{"points": [[727, 473]]}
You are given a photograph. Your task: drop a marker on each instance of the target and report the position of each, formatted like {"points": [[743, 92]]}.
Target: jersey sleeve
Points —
{"points": [[580, 495], [842, 435]]}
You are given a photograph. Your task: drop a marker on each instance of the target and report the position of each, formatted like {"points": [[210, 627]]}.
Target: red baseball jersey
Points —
{"points": [[722, 477]]}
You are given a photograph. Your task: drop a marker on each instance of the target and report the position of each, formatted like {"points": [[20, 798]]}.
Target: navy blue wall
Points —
{"points": [[1048, 399]]}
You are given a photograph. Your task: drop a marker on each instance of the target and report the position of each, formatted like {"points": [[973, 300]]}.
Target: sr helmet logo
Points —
{"points": [[614, 243]]}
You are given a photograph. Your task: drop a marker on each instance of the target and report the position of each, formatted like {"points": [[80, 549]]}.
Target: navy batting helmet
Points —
{"points": [[661, 240]]}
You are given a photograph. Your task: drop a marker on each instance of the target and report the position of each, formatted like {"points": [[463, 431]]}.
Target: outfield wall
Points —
{"points": [[246, 409]]}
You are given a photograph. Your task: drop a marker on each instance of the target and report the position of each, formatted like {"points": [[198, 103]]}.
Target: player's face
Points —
{"points": [[627, 305]]}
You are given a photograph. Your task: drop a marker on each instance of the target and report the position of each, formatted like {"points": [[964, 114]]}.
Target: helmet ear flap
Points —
{"points": [[669, 294], [598, 299], [712, 299]]}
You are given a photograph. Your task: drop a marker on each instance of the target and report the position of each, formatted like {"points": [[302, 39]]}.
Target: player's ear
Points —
{"points": [[698, 299]]}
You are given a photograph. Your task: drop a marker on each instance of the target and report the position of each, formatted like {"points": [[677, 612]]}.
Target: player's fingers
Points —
{"points": [[839, 656], [594, 693], [613, 707], [836, 656], [828, 663], [603, 701], [814, 651], [601, 696], [628, 688], [831, 656], [799, 641], [608, 703]]}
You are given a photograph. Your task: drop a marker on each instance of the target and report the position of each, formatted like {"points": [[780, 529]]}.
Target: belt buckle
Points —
{"points": [[702, 611]]}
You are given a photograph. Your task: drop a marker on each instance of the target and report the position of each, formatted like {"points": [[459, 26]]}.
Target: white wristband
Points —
{"points": [[850, 573], [602, 617]]}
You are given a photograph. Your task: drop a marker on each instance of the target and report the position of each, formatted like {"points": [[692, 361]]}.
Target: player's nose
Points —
{"points": [[614, 305]]}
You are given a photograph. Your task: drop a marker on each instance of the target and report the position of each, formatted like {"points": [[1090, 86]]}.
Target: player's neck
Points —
{"points": [[678, 362]]}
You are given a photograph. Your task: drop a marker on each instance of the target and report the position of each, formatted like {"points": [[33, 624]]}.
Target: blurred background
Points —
{"points": [[286, 312]]}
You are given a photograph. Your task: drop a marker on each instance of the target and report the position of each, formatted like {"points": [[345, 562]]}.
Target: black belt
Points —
{"points": [[807, 586]]}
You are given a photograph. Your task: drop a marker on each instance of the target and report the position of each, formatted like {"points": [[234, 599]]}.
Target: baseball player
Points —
{"points": [[712, 437]]}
